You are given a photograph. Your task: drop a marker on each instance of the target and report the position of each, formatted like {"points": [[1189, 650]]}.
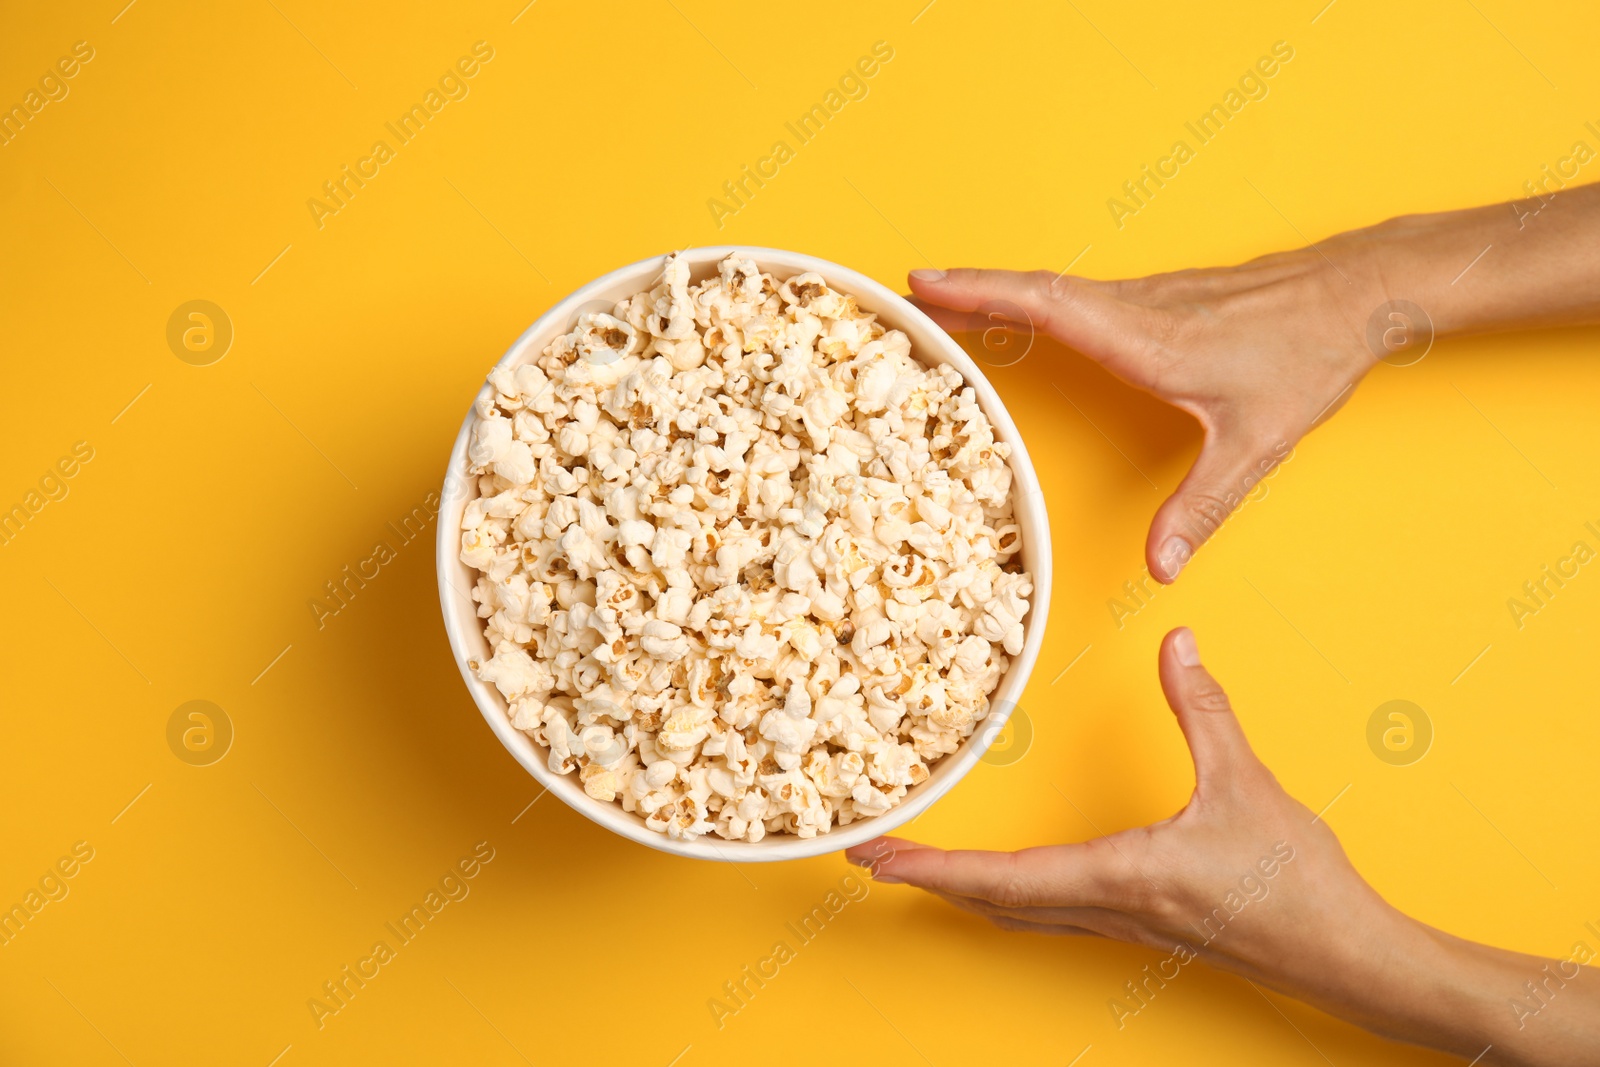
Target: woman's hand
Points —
{"points": [[1249, 880], [1262, 352], [1244, 876], [1258, 353]]}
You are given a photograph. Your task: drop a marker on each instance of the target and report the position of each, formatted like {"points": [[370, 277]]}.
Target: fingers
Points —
{"points": [[877, 854], [1076, 312], [873, 854], [1024, 926], [1058, 921], [950, 321], [1057, 875], [1227, 469], [1216, 740]]}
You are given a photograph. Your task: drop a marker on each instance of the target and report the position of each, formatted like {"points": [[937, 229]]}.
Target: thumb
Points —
{"points": [[1229, 466], [1216, 740], [1077, 312]]}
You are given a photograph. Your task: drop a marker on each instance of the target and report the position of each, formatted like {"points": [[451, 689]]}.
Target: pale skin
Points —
{"points": [[1260, 354]]}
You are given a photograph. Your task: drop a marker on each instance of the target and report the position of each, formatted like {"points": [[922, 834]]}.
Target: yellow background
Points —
{"points": [[215, 508]]}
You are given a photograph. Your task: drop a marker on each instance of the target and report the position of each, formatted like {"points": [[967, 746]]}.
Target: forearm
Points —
{"points": [[1532, 1010], [1506, 266], [1413, 983]]}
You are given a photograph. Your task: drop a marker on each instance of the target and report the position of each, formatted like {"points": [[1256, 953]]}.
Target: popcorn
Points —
{"points": [[746, 566]]}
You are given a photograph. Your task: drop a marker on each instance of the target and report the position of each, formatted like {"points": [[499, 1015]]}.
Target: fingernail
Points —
{"points": [[888, 879], [1187, 649], [928, 275], [1174, 554]]}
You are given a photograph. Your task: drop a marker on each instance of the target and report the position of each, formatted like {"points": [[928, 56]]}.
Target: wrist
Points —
{"points": [[1385, 300], [1455, 1003], [1399, 978], [1483, 268], [1403, 980]]}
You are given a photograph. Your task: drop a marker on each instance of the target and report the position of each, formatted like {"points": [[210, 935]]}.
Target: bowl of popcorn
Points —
{"points": [[741, 556]]}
